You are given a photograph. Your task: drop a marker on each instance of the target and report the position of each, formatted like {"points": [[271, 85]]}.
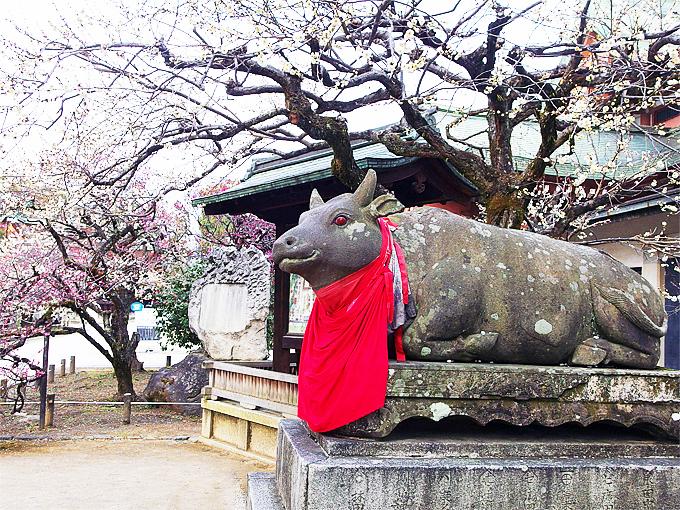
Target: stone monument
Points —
{"points": [[229, 304], [528, 306]]}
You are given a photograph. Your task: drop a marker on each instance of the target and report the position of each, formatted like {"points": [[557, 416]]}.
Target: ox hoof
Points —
{"points": [[480, 343], [587, 356]]}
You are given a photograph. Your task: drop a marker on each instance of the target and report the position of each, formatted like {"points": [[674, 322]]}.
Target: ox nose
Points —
{"points": [[290, 241], [283, 247], [286, 241]]}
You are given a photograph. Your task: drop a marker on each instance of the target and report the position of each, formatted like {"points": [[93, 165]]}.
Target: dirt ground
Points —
{"points": [[90, 460], [121, 474]]}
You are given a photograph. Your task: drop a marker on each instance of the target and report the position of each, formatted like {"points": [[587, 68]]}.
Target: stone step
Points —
{"points": [[262, 493]]}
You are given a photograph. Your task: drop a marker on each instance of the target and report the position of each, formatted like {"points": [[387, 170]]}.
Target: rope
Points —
{"points": [[112, 403]]}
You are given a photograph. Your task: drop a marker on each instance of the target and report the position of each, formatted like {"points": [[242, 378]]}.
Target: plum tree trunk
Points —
{"points": [[122, 369], [505, 211], [123, 346]]}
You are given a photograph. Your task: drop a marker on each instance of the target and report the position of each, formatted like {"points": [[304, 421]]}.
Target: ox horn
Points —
{"points": [[315, 200], [364, 193]]}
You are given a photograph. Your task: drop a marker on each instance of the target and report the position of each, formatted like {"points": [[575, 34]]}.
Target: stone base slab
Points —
{"points": [[496, 467], [522, 394]]}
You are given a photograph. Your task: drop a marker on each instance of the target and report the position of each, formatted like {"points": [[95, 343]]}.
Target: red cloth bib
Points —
{"points": [[343, 365]]}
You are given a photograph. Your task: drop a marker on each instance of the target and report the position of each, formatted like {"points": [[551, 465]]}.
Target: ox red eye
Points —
{"points": [[340, 221]]}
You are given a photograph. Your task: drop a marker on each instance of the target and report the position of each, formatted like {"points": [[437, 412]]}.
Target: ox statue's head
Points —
{"points": [[335, 238]]}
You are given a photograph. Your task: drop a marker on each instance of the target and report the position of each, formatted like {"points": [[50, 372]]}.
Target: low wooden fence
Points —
{"points": [[243, 404], [252, 384], [127, 404]]}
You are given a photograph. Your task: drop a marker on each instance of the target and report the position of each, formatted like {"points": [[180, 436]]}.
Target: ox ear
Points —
{"points": [[364, 193], [315, 200], [384, 205]]}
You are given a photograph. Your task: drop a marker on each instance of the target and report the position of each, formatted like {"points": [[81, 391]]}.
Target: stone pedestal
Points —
{"points": [[425, 466], [523, 394], [496, 437]]}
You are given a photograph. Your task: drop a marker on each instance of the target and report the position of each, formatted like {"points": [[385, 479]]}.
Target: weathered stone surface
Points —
{"points": [[485, 293], [262, 493], [228, 305], [461, 470], [522, 395], [461, 438], [182, 382]]}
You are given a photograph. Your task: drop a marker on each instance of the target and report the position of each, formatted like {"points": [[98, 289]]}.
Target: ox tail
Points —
{"points": [[632, 311]]}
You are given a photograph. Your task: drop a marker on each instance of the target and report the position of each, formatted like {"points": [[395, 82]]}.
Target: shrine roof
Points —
{"points": [[277, 173], [642, 146], [275, 183]]}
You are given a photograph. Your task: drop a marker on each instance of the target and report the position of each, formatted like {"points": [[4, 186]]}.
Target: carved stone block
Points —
{"points": [[521, 395], [228, 305]]}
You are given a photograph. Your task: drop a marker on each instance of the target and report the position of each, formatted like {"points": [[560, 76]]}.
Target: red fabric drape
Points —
{"points": [[343, 366]]}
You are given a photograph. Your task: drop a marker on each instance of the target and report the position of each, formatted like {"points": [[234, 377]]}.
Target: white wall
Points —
{"points": [[632, 254]]}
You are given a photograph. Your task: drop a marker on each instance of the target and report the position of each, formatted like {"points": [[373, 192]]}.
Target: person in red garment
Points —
{"points": [[343, 365]]}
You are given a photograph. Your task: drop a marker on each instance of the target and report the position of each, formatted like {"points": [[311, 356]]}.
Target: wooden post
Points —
{"points": [[50, 374], [49, 413], [281, 362], [281, 356], [72, 365], [3, 390], [207, 423], [127, 408], [43, 379], [168, 361], [62, 369], [242, 434]]}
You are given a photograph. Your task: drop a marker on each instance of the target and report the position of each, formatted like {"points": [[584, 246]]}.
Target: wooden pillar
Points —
{"points": [[62, 368], [242, 434], [3, 390], [72, 365], [207, 423], [281, 356], [281, 361], [50, 374]]}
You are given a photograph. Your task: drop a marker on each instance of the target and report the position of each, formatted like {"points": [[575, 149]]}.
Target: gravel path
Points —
{"points": [[121, 474]]}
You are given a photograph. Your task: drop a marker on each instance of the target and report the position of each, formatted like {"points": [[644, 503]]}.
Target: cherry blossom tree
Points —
{"points": [[16, 322], [211, 82], [89, 251], [239, 230]]}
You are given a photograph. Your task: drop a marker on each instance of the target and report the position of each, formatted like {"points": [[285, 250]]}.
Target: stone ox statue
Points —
{"points": [[482, 292]]}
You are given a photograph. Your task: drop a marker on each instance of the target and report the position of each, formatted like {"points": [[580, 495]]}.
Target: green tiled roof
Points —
{"points": [[275, 174], [526, 140]]}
